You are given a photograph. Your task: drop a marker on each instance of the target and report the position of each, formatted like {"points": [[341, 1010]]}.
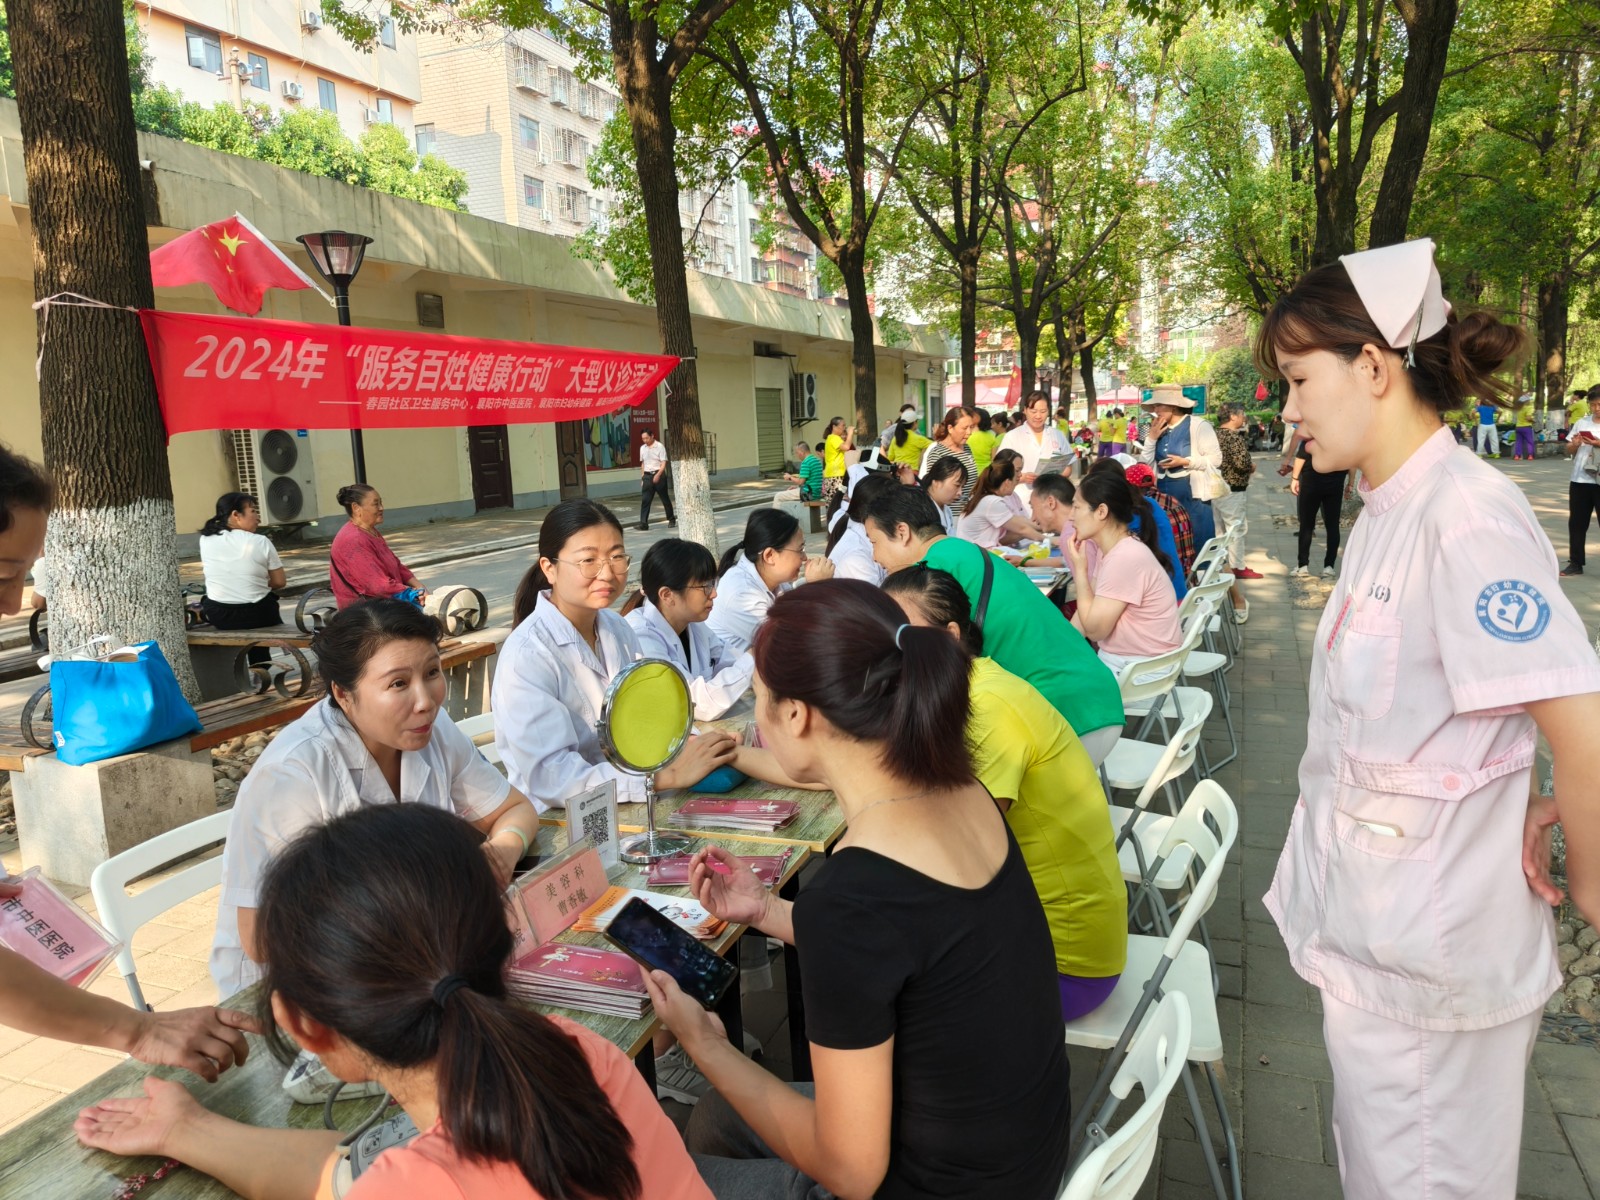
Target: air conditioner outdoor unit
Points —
{"points": [[311, 18], [803, 397], [292, 90], [275, 466], [372, 116], [544, 158]]}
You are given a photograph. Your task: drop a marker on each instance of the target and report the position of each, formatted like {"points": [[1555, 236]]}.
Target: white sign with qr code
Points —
{"points": [[593, 815]]}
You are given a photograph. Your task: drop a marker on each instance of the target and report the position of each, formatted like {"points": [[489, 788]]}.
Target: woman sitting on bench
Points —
{"points": [[242, 569]]}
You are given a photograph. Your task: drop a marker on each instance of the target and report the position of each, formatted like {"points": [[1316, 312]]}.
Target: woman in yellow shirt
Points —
{"points": [[906, 444], [983, 441], [840, 437]]}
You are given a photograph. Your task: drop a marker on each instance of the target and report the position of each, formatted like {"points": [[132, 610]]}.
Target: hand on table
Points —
{"points": [[1536, 826], [206, 1041], [702, 754], [134, 1126], [683, 1016], [736, 895]]}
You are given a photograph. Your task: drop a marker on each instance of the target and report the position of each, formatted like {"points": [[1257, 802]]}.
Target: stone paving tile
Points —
{"points": [[1543, 1176], [1583, 1134]]}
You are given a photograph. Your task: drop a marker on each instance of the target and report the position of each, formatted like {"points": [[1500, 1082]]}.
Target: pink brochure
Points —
{"points": [[54, 934], [545, 901]]}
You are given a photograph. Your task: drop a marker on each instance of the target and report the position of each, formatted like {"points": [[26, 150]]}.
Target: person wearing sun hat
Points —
{"points": [[1186, 456], [1414, 886]]}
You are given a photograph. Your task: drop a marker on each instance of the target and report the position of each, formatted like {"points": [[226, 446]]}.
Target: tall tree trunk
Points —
{"points": [[113, 556], [1428, 26], [1086, 365], [1028, 350], [863, 349], [967, 263], [649, 100], [1551, 377]]}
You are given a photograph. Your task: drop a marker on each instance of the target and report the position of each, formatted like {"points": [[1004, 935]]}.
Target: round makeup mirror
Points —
{"points": [[644, 723]]}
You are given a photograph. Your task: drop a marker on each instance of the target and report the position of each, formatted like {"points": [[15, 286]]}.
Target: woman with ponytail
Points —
{"points": [[1414, 885], [923, 921], [1127, 605], [241, 567], [990, 519], [758, 569], [944, 483], [386, 941]]}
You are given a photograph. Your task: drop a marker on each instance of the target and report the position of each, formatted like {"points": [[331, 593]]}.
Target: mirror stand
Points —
{"points": [[650, 845]]}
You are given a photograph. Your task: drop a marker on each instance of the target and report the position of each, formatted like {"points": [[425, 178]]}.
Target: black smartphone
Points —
{"points": [[659, 944]]}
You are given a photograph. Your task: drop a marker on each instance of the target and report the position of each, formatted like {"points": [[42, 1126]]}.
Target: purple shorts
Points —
{"points": [[1080, 995]]}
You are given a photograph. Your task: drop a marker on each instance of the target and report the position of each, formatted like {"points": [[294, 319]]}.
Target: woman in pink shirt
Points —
{"points": [[360, 564], [386, 946], [1126, 605], [1414, 884]]}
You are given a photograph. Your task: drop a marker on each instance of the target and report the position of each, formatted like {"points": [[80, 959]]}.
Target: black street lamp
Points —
{"points": [[337, 257]]}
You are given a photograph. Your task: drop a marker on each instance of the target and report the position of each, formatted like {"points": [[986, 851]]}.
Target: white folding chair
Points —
{"points": [[1145, 684], [1119, 1162], [481, 726], [1157, 966], [1211, 665], [1215, 587], [1148, 767], [125, 914]]}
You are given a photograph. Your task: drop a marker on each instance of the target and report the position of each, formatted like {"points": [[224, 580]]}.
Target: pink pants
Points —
{"points": [[1420, 1115]]}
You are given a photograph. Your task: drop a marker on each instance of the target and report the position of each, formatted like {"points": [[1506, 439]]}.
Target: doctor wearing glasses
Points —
{"points": [[566, 647]]}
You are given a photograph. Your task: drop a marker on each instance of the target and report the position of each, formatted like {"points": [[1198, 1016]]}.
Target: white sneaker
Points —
{"points": [[679, 1079], [1300, 573], [1328, 572], [1241, 612]]}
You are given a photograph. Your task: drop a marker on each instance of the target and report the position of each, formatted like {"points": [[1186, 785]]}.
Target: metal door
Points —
{"points": [[571, 473], [770, 450], [489, 450]]}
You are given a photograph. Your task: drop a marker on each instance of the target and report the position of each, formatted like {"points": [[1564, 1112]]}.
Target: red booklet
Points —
{"points": [[673, 870], [53, 933], [708, 811], [581, 977]]}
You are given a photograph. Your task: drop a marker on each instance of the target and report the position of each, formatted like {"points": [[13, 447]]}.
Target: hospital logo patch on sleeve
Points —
{"points": [[1513, 611]]}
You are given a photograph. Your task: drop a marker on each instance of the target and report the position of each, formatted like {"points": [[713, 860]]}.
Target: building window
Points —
{"points": [[259, 76], [574, 149], [424, 140], [326, 96], [528, 133], [577, 205], [385, 110], [532, 192], [386, 32], [205, 49]]}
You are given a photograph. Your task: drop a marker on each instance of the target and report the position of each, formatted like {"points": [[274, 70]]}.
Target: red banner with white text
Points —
{"points": [[215, 372]]}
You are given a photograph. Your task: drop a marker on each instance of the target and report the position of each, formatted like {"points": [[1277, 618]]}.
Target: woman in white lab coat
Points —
{"points": [[1038, 441], [765, 563], [678, 582], [564, 651], [849, 550]]}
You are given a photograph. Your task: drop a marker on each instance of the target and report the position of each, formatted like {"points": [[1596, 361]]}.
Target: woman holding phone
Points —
{"points": [[924, 916]]}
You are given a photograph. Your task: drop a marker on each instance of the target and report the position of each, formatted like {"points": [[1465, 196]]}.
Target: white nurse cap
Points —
{"points": [[1400, 289]]}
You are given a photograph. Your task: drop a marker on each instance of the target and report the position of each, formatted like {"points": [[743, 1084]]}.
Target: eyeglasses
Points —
{"points": [[800, 550], [590, 568], [710, 589]]}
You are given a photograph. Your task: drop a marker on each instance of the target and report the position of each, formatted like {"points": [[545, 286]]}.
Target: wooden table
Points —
{"points": [[41, 1158]]}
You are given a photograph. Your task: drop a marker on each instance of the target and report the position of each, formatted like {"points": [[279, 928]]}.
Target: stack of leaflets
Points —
{"points": [[681, 910], [706, 812], [673, 870], [585, 978]]}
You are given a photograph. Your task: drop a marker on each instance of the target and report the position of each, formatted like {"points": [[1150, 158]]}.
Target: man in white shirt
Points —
{"points": [[656, 480], [1583, 490]]}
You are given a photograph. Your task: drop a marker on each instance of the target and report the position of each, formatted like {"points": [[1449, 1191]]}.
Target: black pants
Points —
{"points": [[1583, 499], [1325, 500], [649, 489], [262, 613]]}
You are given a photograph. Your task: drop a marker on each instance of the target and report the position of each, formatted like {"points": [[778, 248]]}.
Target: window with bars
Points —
{"points": [[561, 86], [574, 148], [577, 205]]}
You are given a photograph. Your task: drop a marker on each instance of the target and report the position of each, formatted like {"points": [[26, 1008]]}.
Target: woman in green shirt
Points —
{"points": [[1039, 774]]}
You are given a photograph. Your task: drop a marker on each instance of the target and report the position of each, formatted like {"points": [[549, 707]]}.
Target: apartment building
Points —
{"points": [[280, 53]]}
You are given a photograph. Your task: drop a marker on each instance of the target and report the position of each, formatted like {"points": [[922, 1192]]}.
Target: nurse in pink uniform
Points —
{"points": [[1413, 889]]}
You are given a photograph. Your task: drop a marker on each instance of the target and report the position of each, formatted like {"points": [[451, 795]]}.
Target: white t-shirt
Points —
{"points": [[652, 457], [852, 557], [235, 564], [317, 769], [1585, 456], [985, 523]]}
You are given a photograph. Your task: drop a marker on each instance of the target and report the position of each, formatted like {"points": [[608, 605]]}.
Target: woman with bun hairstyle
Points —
{"points": [[990, 520], [360, 564], [677, 590], [386, 944], [565, 648], [756, 570], [241, 567], [1414, 885], [923, 926]]}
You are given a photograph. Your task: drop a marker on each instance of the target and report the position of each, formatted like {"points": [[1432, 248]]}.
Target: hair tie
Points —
{"points": [[447, 987], [897, 634]]}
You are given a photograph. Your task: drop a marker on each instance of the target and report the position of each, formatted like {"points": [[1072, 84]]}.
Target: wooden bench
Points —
{"points": [[818, 511]]}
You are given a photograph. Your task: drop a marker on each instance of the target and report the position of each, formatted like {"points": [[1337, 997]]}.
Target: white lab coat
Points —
{"points": [[852, 557], [548, 690], [742, 603], [1051, 443], [718, 676]]}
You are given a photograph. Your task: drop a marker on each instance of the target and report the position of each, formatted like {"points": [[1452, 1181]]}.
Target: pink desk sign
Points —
{"points": [[41, 925], [545, 901]]}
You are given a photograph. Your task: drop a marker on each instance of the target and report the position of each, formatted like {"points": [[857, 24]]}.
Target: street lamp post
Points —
{"points": [[337, 257]]}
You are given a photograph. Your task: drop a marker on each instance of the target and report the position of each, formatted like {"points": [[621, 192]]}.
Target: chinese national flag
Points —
{"points": [[232, 259], [1014, 389]]}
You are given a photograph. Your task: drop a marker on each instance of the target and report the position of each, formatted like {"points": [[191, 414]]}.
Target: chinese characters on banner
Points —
{"points": [[612, 441], [216, 372]]}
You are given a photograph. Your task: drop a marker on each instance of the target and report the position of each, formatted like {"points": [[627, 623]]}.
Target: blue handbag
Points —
{"points": [[724, 779], [102, 708]]}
